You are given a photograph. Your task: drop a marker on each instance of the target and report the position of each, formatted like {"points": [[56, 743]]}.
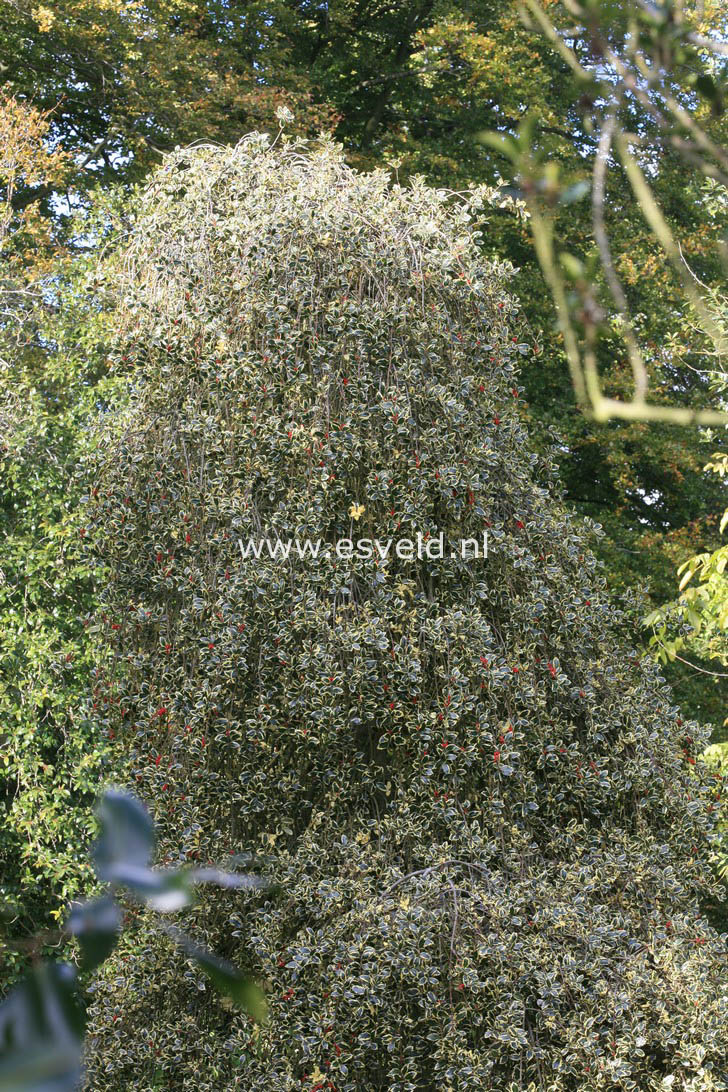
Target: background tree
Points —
{"points": [[125, 81], [49, 762]]}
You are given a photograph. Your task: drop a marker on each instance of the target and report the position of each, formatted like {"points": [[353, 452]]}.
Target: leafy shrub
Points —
{"points": [[484, 817], [50, 753]]}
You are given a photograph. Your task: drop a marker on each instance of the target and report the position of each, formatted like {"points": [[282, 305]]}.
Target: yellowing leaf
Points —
{"points": [[44, 18], [687, 577]]}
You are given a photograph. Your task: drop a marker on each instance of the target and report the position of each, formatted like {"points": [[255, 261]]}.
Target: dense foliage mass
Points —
{"points": [[413, 85], [52, 380], [482, 813]]}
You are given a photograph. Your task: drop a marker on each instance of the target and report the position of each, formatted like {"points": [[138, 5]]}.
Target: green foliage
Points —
{"points": [[695, 623], [43, 1020], [701, 611], [52, 753], [124, 81], [52, 383], [717, 757], [485, 821]]}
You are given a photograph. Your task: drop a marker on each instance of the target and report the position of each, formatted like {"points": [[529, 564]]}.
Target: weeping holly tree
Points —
{"points": [[481, 816]]}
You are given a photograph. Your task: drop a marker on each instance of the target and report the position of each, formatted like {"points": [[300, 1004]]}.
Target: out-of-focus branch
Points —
{"points": [[661, 230], [600, 233], [652, 61]]}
